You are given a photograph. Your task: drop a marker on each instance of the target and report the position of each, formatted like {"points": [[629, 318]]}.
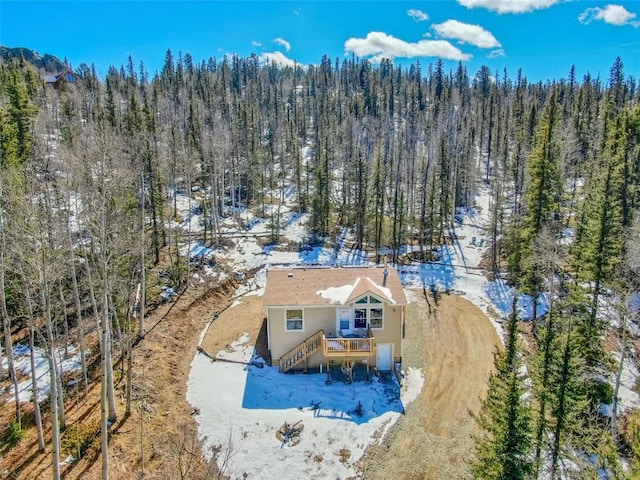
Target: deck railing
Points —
{"points": [[345, 347]]}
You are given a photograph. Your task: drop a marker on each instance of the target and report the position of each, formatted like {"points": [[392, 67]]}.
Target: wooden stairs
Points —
{"points": [[301, 352]]}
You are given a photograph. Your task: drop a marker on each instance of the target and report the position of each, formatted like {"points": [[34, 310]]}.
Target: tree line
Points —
{"points": [[89, 175], [552, 407]]}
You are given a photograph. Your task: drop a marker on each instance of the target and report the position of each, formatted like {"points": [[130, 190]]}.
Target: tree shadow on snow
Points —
{"points": [[267, 388]]}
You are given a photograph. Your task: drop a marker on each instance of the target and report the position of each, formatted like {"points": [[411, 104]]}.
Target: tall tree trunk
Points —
{"points": [[559, 429], [60, 392], [32, 347], [111, 397], [618, 377], [423, 211], [53, 380], [104, 420], [547, 350], [94, 301], [65, 319], [6, 328], [143, 264], [8, 346], [495, 222], [543, 395], [129, 355], [34, 385], [397, 212], [76, 293]]}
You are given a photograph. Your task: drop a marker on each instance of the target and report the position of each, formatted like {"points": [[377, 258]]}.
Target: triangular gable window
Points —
{"points": [[368, 299]]}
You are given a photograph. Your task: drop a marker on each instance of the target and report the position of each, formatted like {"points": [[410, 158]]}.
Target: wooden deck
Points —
{"points": [[349, 347], [338, 347]]}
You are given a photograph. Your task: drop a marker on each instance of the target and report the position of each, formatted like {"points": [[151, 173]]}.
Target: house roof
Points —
{"points": [[59, 76], [67, 72], [331, 286]]}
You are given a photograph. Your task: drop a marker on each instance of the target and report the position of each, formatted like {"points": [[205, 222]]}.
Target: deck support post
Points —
{"points": [[328, 380]]}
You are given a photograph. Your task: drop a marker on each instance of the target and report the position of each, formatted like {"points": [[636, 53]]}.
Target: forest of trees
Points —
{"points": [[86, 176]]}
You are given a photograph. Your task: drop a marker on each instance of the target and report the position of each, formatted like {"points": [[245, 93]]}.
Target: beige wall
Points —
{"points": [[316, 318], [392, 331]]}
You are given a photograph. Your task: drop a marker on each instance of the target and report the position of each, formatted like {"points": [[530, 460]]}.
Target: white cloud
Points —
{"points": [[380, 45], [256, 44], [282, 42], [509, 6], [417, 15], [467, 33], [611, 14], [499, 52], [379, 58], [278, 58]]}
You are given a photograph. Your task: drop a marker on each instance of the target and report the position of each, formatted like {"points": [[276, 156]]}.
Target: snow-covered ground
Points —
{"points": [[69, 362], [457, 270], [242, 408]]}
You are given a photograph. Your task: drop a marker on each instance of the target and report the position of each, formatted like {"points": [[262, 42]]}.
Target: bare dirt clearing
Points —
{"points": [[453, 344], [246, 315]]}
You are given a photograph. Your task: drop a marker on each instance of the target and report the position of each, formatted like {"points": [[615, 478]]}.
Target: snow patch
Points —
{"points": [[337, 295], [242, 407], [22, 361]]}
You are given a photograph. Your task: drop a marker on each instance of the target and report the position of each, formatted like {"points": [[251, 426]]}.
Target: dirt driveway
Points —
{"points": [[452, 342]]}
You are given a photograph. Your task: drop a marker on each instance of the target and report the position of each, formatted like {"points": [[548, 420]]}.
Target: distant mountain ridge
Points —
{"points": [[48, 63]]}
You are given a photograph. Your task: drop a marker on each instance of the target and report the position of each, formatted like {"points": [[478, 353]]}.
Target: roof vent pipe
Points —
{"points": [[385, 274]]}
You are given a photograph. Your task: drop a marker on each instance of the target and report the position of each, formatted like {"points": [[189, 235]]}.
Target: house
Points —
{"points": [[318, 316], [57, 81]]}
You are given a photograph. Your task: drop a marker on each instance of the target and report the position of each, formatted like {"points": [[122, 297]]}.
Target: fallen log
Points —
{"points": [[255, 363], [205, 353]]}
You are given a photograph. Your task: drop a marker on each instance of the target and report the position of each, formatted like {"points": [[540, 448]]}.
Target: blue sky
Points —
{"points": [[544, 38]]}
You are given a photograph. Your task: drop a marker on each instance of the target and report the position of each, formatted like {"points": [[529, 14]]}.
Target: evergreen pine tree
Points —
{"points": [[16, 137], [504, 448], [541, 201], [598, 249]]}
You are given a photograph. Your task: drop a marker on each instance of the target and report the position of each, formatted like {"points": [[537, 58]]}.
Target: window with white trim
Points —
{"points": [[369, 313], [376, 316], [294, 320], [360, 318]]}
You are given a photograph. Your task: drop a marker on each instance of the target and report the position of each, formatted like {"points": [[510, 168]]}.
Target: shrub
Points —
{"points": [[81, 439], [601, 392], [12, 434]]}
